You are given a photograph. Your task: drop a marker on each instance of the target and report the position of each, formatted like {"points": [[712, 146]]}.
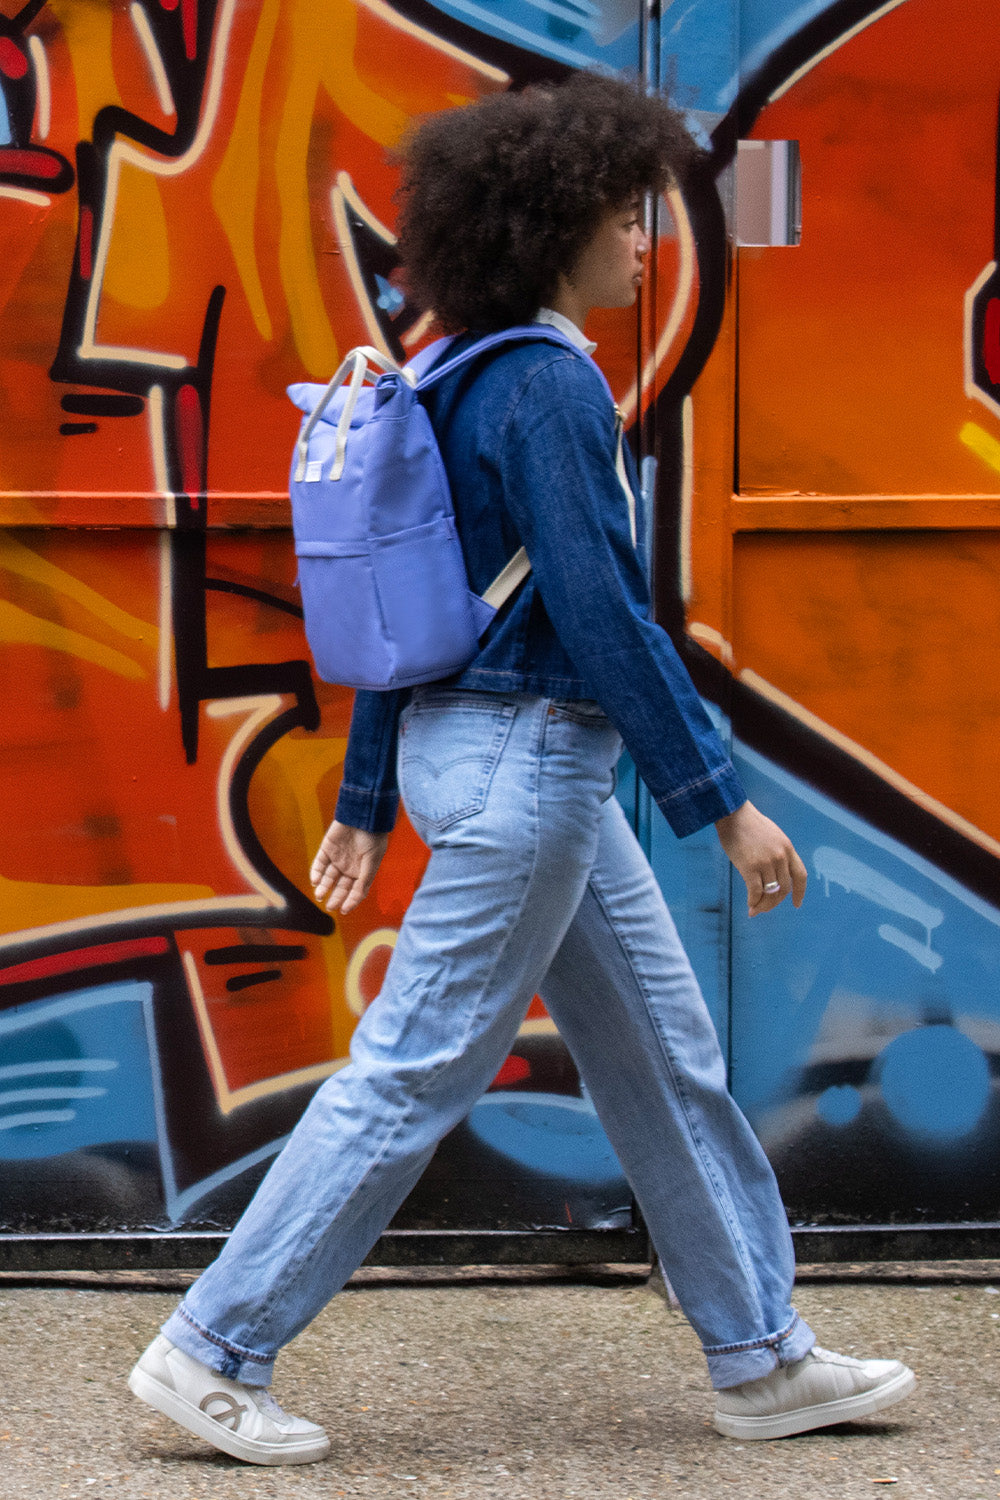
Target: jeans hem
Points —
{"points": [[217, 1353], [734, 1364]]}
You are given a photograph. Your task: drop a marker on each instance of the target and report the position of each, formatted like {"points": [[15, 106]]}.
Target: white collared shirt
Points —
{"points": [[566, 326]]}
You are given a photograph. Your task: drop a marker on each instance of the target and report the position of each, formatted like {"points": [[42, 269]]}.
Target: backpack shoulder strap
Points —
{"points": [[423, 367], [417, 367], [522, 333]]}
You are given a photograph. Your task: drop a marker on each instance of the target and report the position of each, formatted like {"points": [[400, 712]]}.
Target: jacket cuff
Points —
{"points": [[706, 801], [359, 807]]}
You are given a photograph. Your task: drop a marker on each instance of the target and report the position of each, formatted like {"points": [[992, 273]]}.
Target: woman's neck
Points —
{"points": [[567, 300]]}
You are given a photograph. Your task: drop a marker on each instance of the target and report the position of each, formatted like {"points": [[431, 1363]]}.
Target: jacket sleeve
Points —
{"points": [[369, 796], [557, 469]]}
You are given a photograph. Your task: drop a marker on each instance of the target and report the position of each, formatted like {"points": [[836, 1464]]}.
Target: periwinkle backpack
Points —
{"points": [[385, 595]]}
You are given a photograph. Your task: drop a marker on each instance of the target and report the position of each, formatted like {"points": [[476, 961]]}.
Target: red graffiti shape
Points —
{"points": [[513, 1071], [12, 60], [189, 22], [85, 958], [991, 340], [86, 242], [190, 438], [17, 163]]}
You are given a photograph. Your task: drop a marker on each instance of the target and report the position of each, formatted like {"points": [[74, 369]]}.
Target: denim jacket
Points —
{"points": [[528, 439]]}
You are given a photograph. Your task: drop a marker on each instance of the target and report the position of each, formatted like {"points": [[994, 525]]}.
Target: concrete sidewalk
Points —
{"points": [[527, 1385]]}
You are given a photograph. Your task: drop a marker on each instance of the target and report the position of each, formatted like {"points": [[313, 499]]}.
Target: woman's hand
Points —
{"points": [[764, 857], [346, 865]]}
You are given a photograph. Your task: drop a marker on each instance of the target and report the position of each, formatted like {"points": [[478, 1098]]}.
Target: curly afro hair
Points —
{"points": [[499, 198]]}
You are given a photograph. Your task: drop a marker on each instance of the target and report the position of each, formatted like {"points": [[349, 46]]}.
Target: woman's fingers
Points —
{"points": [[345, 866], [782, 877], [323, 866], [764, 856], [767, 889], [336, 890], [799, 875], [337, 886]]}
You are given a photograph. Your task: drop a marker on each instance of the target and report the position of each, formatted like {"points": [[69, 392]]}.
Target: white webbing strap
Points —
{"points": [[357, 361], [508, 580], [622, 473]]}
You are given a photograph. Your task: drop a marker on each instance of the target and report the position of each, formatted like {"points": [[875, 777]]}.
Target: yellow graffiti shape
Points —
{"points": [[87, 910], [18, 627], [137, 271], [982, 443], [236, 185], [323, 42], [370, 113], [15, 557], [311, 329], [87, 33]]}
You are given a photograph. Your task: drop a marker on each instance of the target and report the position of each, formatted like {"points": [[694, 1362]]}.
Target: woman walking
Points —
{"points": [[528, 207]]}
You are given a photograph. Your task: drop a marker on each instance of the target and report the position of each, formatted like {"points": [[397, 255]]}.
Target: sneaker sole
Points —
{"points": [[826, 1414], [250, 1450]]}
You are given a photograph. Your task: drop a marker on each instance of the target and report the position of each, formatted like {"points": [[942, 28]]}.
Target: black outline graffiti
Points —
{"points": [[103, 405]]}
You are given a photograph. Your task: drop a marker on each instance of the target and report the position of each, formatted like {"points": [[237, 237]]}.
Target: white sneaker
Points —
{"points": [[816, 1391], [244, 1421]]}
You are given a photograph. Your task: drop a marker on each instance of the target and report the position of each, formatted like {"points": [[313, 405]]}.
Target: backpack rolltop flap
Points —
{"points": [[357, 362]]}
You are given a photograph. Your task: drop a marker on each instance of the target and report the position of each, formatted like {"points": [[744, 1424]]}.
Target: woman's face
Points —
{"points": [[610, 267]]}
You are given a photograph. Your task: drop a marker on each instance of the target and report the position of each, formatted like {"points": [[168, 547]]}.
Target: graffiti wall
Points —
{"points": [[196, 209]]}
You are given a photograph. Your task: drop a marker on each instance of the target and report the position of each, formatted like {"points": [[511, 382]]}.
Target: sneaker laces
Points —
{"points": [[829, 1357], [270, 1405]]}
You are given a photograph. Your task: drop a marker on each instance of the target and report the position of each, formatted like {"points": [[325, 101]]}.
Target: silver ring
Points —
{"points": [[771, 887]]}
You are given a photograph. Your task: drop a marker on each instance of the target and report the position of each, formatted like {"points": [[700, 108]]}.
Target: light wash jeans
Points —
{"points": [[535, 883]]}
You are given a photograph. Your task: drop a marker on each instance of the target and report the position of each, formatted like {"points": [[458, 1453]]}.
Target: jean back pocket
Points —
{"points": [[449, 748]]}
